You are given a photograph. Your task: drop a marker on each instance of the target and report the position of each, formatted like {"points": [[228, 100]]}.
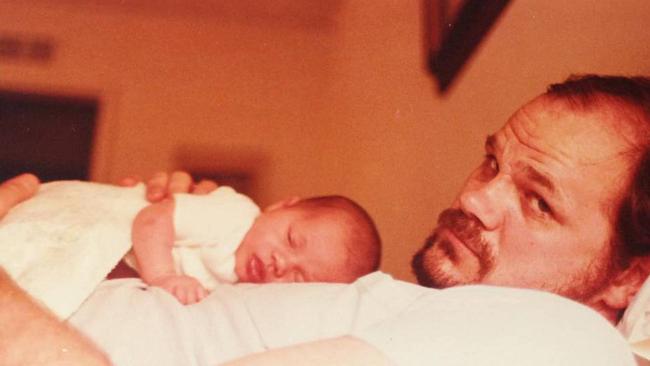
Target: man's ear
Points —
{"points": [[287, 202], [622, 289]]}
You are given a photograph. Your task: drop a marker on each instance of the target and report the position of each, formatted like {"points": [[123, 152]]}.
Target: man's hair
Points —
{"points": [[362, 239], [631, 96]]}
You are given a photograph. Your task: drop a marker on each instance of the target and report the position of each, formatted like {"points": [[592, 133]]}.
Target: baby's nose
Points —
{"points": [[279, 265], [285, 265]]}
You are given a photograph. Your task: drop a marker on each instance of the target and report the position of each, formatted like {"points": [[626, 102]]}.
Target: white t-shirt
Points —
{"points": [[481, 325], [412, 325]]}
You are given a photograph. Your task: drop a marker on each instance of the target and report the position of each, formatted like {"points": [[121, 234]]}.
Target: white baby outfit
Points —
{"points": [[208, 231], [60, 244]]}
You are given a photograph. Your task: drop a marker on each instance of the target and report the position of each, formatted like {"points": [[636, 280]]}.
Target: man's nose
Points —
{"points": [[488, 201]]}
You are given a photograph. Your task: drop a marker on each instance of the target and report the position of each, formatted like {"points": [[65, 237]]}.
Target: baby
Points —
{"points": [[189, 243]]}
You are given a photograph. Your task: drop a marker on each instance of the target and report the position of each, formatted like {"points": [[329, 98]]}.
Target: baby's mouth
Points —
{"points": [[255, 270]]}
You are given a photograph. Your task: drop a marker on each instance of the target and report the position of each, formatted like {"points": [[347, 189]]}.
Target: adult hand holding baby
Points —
{"points": [[159, 186], [162, 185]]}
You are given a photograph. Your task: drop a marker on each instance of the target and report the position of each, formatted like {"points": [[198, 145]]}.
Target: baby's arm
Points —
{"points": [[153, 238]]}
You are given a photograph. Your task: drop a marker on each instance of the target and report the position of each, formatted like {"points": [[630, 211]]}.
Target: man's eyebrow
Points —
{"points": [[539, 178], [530, 172], [490, 143]]}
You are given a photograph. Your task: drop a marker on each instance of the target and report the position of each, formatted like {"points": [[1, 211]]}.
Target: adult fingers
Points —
{"points": [[180, 182], [130, 181], [16, 190], [205, 186], [162, 185], [157, 187]]}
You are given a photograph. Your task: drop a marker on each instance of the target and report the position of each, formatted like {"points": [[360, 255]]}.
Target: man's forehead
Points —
{"points": [[579, 152], [555, 128]]}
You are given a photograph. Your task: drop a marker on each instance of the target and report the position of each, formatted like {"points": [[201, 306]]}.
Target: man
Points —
{"points": [[559, 204], [561, 201]]}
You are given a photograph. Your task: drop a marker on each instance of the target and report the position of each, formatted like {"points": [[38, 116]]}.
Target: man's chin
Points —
{"points": [[433, 267], [427, 272]]}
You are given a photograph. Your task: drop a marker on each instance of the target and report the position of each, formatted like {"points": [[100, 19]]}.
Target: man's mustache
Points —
{"points": [[466, 228]]}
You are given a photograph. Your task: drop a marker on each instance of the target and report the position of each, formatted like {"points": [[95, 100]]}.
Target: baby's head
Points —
{"points": [[319, 239]]}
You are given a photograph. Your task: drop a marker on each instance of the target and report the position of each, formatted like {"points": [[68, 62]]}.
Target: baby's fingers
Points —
{"points": [[182, 295], [201, 293], [188, 295], [194, 294]]}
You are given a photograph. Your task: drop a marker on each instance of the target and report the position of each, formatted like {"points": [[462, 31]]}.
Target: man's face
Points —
{"points": [[537, 213]]}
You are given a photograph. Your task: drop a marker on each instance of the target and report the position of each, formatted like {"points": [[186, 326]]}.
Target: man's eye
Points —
{"points": [[539, 205], [543, 206], [490, 167], [494, 165]]}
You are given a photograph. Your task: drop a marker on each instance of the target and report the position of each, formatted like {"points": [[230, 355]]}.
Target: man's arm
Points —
{"points": [[16, 190], [31, 335], [346, 351]]}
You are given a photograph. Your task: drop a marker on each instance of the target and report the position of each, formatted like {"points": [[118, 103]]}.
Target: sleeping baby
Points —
{"points": [[73, 233]]}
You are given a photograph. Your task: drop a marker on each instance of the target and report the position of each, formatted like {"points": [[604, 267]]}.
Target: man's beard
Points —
{"points": [[430, 264]]}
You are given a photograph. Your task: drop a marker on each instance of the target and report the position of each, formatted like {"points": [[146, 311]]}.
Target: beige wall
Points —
{"points": [[317, 101]]}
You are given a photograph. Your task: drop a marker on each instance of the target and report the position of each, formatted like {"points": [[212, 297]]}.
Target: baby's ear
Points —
{"points": [[287, 202]]}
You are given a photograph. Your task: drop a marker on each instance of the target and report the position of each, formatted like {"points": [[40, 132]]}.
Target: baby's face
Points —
{"points": [[285, 245]]}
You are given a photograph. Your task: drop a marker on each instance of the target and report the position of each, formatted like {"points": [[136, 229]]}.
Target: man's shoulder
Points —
{"points": [[500, 326]]}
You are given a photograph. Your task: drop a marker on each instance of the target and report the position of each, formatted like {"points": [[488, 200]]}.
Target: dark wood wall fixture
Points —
{"points": [[49, 135], [453, 30]]}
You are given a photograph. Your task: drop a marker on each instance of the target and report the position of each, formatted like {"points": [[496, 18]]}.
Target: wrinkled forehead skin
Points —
{"points": [[587, 135], [586, 146]]}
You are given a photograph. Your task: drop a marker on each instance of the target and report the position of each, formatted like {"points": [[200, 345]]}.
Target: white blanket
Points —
{"points": [[58, 246]]}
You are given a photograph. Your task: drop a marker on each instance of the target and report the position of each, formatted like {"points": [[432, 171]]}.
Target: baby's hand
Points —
{"points": [[185, 288]]}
